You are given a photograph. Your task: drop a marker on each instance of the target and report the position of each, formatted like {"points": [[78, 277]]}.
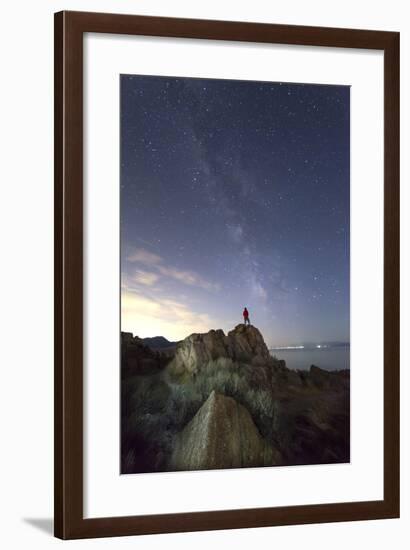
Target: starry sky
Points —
{"points": [[233, 194]]}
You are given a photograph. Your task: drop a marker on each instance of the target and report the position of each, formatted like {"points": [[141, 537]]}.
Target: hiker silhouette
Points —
{"points": [[246, 317]]}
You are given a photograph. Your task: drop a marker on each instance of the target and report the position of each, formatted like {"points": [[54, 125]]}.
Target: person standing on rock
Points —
{"points": [[246, 317]]}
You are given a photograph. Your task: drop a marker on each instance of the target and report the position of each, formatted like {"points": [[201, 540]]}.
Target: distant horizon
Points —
{"points": [[281, 346]]}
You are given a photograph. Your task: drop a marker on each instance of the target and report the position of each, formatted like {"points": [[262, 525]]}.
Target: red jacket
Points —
{"points": [[245, 313]]}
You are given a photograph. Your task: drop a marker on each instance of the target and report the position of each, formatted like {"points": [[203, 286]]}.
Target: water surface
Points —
{"points": [[333, 358]]}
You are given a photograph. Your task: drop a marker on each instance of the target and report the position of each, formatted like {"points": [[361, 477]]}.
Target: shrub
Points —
{"points": [[157, 407]]}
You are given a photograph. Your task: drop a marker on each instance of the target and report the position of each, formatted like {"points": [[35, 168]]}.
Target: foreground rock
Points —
{"points": [[222, 434], [221, 401]]}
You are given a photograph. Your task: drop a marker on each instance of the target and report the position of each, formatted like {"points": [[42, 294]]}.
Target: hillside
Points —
{"points": [[159, 343], [222, 401]]}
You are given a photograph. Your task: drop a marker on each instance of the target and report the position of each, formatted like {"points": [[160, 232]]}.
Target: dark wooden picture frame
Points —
{"points": [[69, 30]]}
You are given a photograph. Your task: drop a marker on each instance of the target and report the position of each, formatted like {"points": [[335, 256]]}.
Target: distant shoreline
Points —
{"points": [[328, 357], [309, 347]]}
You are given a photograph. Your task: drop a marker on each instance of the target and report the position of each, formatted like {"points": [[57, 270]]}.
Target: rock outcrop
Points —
{"points": [[222, 434], [244, 344], [221, 401]]}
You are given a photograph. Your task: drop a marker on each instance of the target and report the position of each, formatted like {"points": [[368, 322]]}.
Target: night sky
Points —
{"points": [[234, 194]]}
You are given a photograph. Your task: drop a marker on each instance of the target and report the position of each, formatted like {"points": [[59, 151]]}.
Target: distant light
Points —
{"points": [[289, 347]]}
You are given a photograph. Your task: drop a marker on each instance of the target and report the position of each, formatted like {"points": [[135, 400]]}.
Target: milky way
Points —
{"points": [[235, 193]]}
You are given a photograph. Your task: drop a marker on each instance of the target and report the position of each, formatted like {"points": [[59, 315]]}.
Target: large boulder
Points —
{"points": [[198, 349], [244, 344], [247, 345], [222, 434]]}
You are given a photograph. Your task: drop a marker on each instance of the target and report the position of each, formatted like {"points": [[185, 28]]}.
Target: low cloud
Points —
{"points": [[144, 256], [148, 316], [155, 262], [146, 278], [187, 277]]}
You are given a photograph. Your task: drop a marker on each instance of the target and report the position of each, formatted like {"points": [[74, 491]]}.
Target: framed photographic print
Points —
{"points": [[227, 275]]}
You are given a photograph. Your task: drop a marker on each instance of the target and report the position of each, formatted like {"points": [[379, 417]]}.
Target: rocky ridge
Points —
{"points": [[243, 344], [222, 434], [222, 401]]}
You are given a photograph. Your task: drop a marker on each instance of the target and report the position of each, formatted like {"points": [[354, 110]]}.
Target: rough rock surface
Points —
{"points": [[222, 402], [244, 344], [222, 434]]}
